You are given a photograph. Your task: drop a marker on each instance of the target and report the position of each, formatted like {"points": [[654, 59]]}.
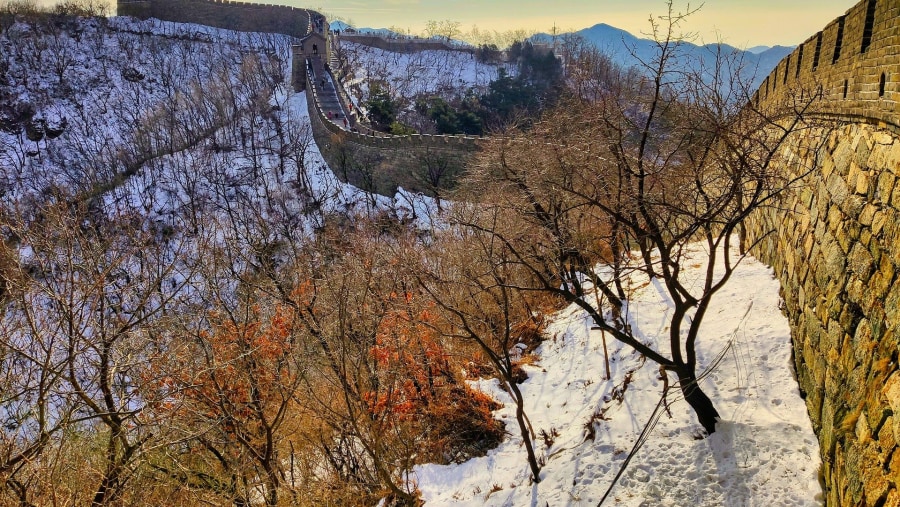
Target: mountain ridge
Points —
{"points": [[629, 50]]}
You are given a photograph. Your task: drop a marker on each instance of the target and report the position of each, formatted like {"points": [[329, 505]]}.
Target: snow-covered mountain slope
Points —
{"points": [[764, 452], [111, 79], [160, 117], [407, 75]]}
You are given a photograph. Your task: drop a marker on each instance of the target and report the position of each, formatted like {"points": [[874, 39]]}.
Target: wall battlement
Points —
{"points": [[855, 60]]}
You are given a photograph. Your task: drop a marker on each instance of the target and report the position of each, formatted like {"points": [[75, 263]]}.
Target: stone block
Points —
{"points": [[867, 213], [878, 286], [837, 189], [853, 173], [862, 342], [860, 262], [887, 269], [863, 431], [879, 218], [892, 163], [826, 168], [862, 182], [895, 197], [842, 155], [835, 261], [891, 393], [865, 236], [853, 206], [871, 471], [835, 219], [856, 291], [883, 138], [827, 436], [892, 304], [886, 432]]}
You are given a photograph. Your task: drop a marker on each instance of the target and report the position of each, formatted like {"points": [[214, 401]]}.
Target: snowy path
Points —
{"points": [[763, 454]]}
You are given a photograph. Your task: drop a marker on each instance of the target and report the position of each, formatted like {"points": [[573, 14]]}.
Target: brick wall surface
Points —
{"points": [[835, 245]]}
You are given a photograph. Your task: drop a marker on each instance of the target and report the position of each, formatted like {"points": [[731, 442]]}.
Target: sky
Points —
{"points": [[741, 23]]}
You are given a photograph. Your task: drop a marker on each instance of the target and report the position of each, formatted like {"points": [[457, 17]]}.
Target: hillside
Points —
{"points": [[628, 50], [196, 311]]}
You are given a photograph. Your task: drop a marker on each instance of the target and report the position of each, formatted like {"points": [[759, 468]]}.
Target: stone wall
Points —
{"points": [[858, 85], [381, 163], [240, 16], [834, 242], [402, 45]]}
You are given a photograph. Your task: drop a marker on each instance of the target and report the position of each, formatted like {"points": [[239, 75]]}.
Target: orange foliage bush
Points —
{"points": [[420, 389]]}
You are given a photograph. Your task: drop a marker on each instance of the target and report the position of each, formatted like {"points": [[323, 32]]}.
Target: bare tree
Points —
{"points": [[90, 293], [655, 163], [473, 278]]}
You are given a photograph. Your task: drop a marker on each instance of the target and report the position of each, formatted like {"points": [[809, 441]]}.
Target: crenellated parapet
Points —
{"points": [[855, 60]]}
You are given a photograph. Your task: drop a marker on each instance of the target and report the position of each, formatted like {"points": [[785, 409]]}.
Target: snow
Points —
{"points": [[764, 451], [105, 110], [433, 72]]}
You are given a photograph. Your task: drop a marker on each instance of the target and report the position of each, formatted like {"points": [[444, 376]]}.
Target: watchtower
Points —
{"points": [[315, 45]]}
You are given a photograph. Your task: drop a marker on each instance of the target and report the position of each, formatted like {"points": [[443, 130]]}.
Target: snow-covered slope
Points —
{"points": [[406, 75], [764, 452], [117, 78]]}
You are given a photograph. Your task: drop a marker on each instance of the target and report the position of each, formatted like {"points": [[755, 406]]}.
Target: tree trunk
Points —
{"points": [[698, 400], [523, 427]]}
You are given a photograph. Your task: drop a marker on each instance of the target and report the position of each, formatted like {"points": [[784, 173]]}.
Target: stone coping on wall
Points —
{"points": [[269, 18], [403, 44]]}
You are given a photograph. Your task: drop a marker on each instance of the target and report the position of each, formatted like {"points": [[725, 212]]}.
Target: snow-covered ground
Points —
{"points": [[764, 452], [407, 75], [114, 74]]}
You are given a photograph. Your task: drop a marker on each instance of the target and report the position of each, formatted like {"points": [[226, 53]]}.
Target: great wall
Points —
{"points": [[834, 240], [371, 160]]}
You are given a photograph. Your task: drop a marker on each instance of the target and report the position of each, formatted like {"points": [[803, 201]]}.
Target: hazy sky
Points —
{"points": [[742, 23]]}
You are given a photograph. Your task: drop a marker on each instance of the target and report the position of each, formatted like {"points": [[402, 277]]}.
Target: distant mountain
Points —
{"points": [[341, 26], [758, 49], [628, 50]]}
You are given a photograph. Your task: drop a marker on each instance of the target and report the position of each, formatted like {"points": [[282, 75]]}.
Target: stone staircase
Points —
{"points": [[329, 99]]}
